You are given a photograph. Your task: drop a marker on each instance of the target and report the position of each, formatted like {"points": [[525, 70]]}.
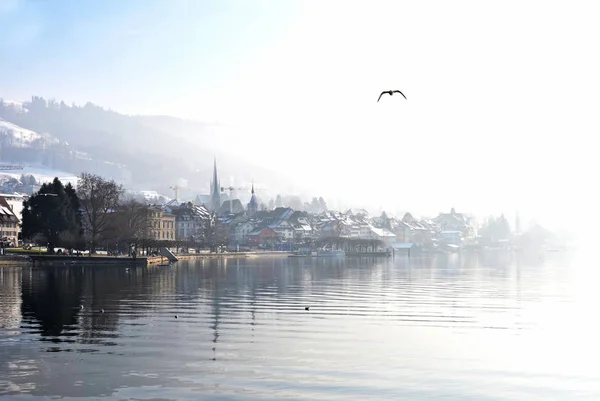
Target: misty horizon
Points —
{"points": [[496, 120], [300, 199]]}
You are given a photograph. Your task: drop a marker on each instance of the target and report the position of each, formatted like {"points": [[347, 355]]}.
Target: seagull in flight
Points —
{"points": [[390, 93]]}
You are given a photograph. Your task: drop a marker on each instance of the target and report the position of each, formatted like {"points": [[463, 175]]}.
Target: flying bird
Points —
{"points": [[391, 93]]}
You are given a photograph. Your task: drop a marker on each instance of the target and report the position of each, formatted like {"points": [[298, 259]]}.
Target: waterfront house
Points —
{"points": [[239, 232], [284, 230], [454, 221], [384, 235], [191, 221], [161, 224], [451, 237], [263, 237], [9, 224], [15, 203]]}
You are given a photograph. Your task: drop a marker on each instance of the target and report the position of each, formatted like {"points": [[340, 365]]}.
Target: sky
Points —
{"points": [[501, 97]]}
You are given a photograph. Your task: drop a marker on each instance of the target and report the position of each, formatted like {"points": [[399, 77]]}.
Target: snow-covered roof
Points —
{"points": [[382, 232]]}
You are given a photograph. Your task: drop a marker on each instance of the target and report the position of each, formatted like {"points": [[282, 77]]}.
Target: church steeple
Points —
{"points": [[215, 189], [253, 204]]}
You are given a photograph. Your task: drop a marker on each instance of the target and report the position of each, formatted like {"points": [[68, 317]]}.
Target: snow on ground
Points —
{"points": [[41, 174], [21, 137]]}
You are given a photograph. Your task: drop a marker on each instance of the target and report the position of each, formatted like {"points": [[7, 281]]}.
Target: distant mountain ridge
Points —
{"points": [[142, 152], [148, 150]]}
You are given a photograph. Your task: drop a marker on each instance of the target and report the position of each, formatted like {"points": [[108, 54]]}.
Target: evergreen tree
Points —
{"points": [[496, 228], [53, 214], [322, 205]]}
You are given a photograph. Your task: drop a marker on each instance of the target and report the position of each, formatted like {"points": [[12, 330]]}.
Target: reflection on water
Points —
{"points": [[476, 327]]}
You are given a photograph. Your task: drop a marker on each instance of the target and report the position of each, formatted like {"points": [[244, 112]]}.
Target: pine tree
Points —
{"points": [[53, 214]]}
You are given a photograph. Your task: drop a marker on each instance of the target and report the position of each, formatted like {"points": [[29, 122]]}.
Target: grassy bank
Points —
{"points": [[21, 251]]}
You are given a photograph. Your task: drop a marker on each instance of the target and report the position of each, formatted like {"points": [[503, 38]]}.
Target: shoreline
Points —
{"points": [[144, 261], [14, 260], [232, 255]]}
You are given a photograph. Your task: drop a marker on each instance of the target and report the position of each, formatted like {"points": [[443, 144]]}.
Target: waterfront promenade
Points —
{"points": [[123, 261]]}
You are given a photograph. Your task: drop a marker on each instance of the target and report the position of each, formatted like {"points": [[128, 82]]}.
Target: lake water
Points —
{"points": [[487, 327]]}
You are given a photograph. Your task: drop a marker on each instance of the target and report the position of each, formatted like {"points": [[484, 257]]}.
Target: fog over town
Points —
{"points": [[498, 116]]}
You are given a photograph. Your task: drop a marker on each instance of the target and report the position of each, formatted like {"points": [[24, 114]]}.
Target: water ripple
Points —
{"points": [[464, 328]]}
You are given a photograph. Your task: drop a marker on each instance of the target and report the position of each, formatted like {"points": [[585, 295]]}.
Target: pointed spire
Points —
{"points": [[215, 183], [253, 204], [215, 188]]}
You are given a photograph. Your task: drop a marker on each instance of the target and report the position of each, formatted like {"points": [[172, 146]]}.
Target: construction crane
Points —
{"points": [[231, 189], [176, 188]]}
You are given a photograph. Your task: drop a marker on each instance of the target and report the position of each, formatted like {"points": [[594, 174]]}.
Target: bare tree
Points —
{"points": [[131, 222], [99, 199]]}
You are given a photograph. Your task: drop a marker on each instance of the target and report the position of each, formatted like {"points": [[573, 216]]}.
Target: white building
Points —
{"points": [[284, 230], [384, 235]]}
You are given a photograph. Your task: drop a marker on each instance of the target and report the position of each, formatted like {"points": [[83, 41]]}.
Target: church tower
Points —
{"points": [[253, 204], [215, 190]]}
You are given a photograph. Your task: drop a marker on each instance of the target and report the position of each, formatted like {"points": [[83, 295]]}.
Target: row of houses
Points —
{"points": [[282, 226], [179, 221], [286, 226]]}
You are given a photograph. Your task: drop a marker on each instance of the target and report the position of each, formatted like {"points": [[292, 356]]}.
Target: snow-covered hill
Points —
{"points": [[19, 137], [41, 174]]}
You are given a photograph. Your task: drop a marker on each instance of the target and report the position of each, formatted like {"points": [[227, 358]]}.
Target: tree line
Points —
{"points": [[96, 213]]}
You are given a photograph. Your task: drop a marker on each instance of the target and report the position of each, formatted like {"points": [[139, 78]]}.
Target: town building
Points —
{"points": [[264, 237], [231, 206], [454, 221], [239, 232], [161, 224], [451, 237], [191, 221], [384, 235], [9, 225]]}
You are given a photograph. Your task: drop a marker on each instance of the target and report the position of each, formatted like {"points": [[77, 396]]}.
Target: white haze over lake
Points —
{"points": [[500, 116]]}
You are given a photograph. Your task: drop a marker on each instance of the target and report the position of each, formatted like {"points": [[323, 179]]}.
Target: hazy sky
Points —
{"points": [[502, 97]]}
